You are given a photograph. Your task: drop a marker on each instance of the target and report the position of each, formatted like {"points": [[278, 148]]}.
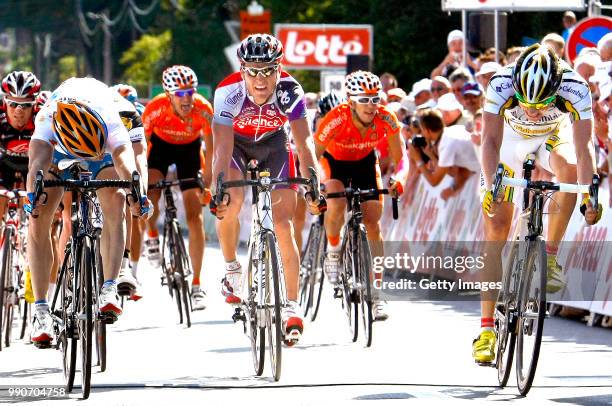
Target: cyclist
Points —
{"points": [[533, 106], [130, 111], [346, 142], [251, 109], [176, 122], [82, 122]]}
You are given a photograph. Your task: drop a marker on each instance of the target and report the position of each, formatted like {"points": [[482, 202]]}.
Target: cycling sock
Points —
{"points": [[232, 266], [153, 233], [126, 253], [109, 283], [42, 305], [51, 291], [487, 323], [196, 281], [551, 249], [134, 267], [333, 243]]}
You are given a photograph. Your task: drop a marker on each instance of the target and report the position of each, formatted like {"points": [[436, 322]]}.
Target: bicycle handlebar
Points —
{"points": [[350, 192], [544, 185], [179, 182]]}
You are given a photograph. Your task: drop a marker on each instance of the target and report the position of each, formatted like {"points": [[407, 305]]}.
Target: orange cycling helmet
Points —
{"points": [[80, 131], [362, 82]]}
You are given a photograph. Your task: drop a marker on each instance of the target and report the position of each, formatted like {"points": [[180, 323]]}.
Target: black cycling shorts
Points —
{"points": [[362, 174], [186, 157]]}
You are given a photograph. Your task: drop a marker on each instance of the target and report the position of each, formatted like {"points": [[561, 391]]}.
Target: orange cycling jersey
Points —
{"points": [[160, 119], [342, 139]]}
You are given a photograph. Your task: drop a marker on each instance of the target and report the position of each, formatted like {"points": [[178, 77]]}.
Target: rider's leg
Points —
{"points": [[563, 164], [334, 216], [228, 228], [283, 210], [298, 221]]}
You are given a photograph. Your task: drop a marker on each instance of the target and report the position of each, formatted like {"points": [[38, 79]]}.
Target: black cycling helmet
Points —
{"points": [[328, 102], [260, 48]]}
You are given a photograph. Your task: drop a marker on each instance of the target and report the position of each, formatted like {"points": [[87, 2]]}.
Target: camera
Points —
{"points": [[419, 142]]}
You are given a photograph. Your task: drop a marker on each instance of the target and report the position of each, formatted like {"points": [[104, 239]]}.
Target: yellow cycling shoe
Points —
{"points": [[555, 279], [483, 347], [29, 293]]}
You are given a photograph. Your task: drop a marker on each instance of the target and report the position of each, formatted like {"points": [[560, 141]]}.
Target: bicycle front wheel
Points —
{"points": [[307, 264], [532, 311], [85, 313], [5, 278], [318, 274], [257, 334], [349, 296], [273, 304], [100, 325], [365, 269]]}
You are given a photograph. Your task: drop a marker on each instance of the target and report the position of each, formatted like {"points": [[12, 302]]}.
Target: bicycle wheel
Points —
{"points": [[319, 275], [257, 335], [532, 310], [505, 310], [85, 311], [67, 338], [306, 266], [166, 258], [186, 295], [349, 301], [5, 280], [100, 325], [365, 269], [273, 304], [24, 319], [182, 268]]}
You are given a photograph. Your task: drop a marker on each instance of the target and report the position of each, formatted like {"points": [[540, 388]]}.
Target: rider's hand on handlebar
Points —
{"points": [[205, 197], [591, 215], [396, 189], [143, 209], [219, 210], [316, 207], [488, 205]]}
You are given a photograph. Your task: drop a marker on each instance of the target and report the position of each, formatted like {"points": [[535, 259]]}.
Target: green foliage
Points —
{"points": [[67, 67], [146, 58]]}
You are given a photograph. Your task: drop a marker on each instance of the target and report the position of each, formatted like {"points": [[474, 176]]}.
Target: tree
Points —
{"points": [[146, 59]]}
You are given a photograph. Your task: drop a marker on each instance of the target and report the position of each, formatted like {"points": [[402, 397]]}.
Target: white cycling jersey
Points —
{"points": [[573, 100], [98, 97]]}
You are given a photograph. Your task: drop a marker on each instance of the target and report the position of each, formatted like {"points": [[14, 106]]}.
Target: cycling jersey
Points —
{"points": [[98, 97], [233, 107], [14, 143], [130, 118], [573, 99], [160, 119], [342, 139]]}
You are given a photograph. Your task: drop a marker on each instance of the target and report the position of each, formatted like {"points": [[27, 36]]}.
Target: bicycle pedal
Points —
{"points": [[43, 345], [485, 364], [108, 318], [123, 290], [337, 293], [238, 315]]}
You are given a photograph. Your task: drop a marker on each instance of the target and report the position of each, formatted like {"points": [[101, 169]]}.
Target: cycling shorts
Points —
{"points": [[186, 157], [92, 166], [362, 174]]}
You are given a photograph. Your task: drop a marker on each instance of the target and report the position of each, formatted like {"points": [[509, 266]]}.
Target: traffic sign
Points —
{"points": [[586, 34]]}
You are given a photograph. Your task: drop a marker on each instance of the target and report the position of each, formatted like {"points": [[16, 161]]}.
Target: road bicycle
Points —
{"points": [[75, 302], [520, 309], [264, 293], [355, 279], [311, 269], [175, 260]]}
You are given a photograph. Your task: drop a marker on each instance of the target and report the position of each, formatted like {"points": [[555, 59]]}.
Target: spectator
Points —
{"points": [[586, 66], [449, 150], [513, 53], [472, 97], [604, 46], [311, 100], [454, 59], [395, 95], [451, 110], [388, 81], [439, 87], [474, 127], [457, 79], [569, 21], [555, 42], [489, 56], [486, 72], [421, 92]]}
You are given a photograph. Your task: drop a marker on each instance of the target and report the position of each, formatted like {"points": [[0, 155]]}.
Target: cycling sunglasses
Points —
{"points": [[265, 72], [15, 104], [183, 93], [438, 89], [544, 104], [366, 99]]}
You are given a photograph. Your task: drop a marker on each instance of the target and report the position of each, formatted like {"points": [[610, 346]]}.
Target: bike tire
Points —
{"points": [[349, 300], [532, 309], [257, 335], [319, 274], [365, 269], [275, 324], [182, 267], [86, 269], [4, 277], [306, 266], [100, 325], [24, 319], [10, 309], [186, 295], [68, 340], [506, 335], [166, 259]]}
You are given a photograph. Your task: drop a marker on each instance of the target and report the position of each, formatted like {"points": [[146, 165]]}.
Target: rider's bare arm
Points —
{"points": [[40, 154], [223, 144], [492, 136], [585, 152], [208, 159], [304, 145]]}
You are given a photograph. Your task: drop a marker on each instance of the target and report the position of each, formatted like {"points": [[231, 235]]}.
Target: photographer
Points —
{"points": [[449, 151]]}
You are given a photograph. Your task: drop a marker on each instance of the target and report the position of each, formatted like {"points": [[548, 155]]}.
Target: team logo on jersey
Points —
{"points": [[127, 123], [573, 91], [234, 97], [226, 114], [271, 113]]}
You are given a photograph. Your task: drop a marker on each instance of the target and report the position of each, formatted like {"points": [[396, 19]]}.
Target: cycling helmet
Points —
{"points": [[362, 82], [21, 84], [260, 48], [41, 99], [328, 102], [178, 77], [126, 91], [80, 131], [536, 75]]}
